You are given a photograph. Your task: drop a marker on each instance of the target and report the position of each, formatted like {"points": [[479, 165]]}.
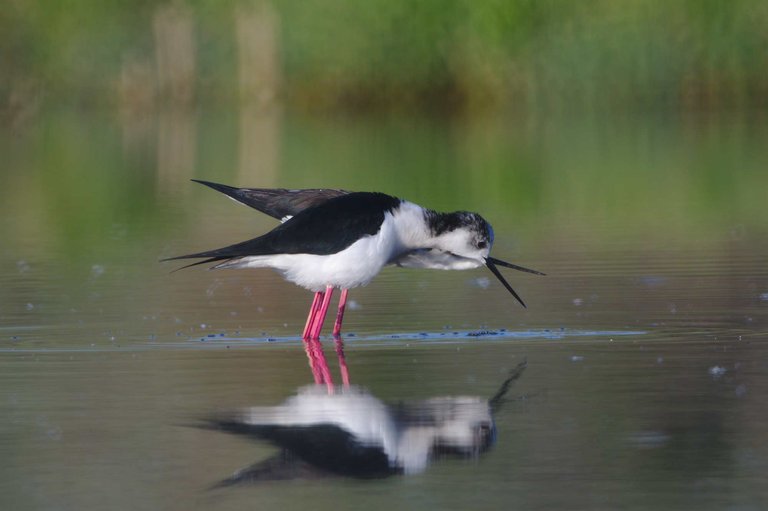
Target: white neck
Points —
{"points": [[412, 230]]}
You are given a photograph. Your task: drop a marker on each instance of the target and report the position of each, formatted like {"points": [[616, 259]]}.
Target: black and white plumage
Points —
{"points": [[352, 433], [332, 239]]}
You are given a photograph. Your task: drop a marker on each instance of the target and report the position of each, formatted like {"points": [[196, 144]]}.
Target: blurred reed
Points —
{"points": [[438, 55], [175, 47], [257, 27]]}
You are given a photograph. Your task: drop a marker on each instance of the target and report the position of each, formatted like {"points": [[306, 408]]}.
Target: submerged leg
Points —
{"points": [[317, 362], [315, 336], [340, 313], [339, 342]]}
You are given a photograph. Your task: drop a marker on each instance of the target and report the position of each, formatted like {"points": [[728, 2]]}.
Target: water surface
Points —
{"points": [[646, 341]]}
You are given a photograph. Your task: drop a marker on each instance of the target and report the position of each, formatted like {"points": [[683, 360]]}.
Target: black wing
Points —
{"points": [[283, 466], [325, 229], [276, 202], [325, 447]]}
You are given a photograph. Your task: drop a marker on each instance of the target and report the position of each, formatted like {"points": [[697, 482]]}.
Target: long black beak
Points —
{"points": [[492, 262]]}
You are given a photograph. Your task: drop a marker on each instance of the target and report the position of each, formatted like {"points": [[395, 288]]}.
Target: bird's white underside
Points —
{"points": [[371, 422]]}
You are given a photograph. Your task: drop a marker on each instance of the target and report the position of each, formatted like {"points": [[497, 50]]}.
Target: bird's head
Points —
{"points": [[465, 235], [466, 239]]}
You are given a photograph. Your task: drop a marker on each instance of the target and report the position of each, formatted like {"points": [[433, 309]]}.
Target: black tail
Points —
{"points": [[256, 246], [204, 261]]}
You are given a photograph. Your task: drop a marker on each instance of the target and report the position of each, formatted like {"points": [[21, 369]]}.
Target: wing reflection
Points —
{"points": [[352, 433]]}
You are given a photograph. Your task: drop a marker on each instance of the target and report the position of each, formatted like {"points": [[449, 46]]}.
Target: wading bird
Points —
{"points": [[332, 239]]}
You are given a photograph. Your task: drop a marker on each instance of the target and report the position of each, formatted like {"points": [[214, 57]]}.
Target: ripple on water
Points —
{"points": [[222, 340]]}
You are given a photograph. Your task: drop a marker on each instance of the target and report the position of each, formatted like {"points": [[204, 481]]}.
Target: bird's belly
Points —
{"points": [[352, 267]]}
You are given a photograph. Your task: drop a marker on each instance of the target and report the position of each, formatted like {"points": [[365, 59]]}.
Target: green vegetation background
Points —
{"points": [[434, 54]]}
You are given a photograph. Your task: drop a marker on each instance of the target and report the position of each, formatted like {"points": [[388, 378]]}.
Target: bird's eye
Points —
{"points": [[482, 244]]}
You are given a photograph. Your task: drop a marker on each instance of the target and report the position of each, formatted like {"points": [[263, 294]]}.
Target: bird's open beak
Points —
{"points": [[492, 263]]}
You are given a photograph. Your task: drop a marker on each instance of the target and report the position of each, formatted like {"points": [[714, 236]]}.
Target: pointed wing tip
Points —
{"points": [[225, 189], [211, 184]]}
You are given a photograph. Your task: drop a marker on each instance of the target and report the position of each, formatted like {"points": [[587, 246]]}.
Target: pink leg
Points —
{"points": [[340, 313], [318, 364], [314, 350], [312, 313], [311, 336], [315, 365], [320, 317], [342, 359]]}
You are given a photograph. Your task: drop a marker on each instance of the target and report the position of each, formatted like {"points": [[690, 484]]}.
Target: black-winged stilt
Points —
{"points": [[332, 239]]}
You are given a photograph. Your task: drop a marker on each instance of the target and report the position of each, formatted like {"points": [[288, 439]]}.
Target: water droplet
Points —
{"points": [[481, 282], [717, 371]]}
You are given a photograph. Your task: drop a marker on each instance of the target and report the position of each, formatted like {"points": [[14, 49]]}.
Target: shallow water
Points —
{"points": [[645, 342]]}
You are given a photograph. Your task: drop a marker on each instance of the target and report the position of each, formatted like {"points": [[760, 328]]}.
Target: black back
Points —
{"points": [[325, 229]]}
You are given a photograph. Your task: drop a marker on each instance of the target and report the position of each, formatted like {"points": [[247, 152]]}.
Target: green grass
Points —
{"points": [[395, 54]]}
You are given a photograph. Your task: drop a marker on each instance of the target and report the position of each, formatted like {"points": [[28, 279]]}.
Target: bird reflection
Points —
{"points": [[352, 433]]}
